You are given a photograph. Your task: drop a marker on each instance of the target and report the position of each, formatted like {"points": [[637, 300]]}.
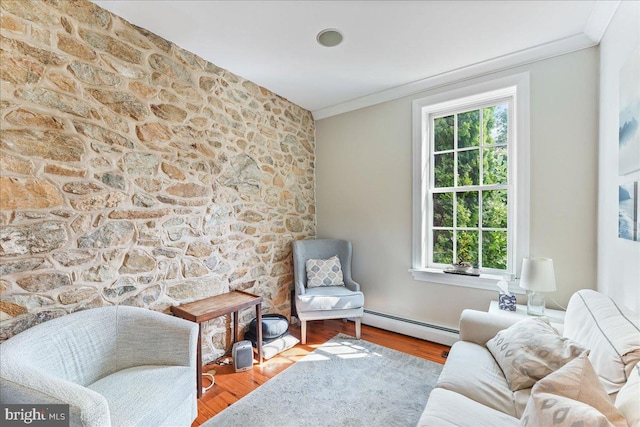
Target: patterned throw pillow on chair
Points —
{"points": [[324, 272]]}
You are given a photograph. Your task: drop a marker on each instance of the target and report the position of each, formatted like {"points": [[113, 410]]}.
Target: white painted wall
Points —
{"points": [[618, 259], [363, 185]]}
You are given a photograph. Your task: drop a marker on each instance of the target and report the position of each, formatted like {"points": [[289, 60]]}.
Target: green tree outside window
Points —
{"points": [[471, 154]]}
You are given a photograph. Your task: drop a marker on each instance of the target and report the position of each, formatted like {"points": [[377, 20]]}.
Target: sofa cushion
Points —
{"points": [[329, 298], [324, 272], [570, 396], [529, 350], [446, 408], [521, 398], [471, 371], [609, 331], [628, 398], [177, 418], [157, 389]]}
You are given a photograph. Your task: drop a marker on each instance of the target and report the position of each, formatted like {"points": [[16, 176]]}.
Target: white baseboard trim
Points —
{"points": [[412, 328]]}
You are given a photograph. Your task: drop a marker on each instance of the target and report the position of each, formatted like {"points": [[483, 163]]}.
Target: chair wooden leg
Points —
{"points": [[358, 326], [303, 331]]}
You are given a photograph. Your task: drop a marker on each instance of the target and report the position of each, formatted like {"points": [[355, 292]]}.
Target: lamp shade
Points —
{"points": [[537, 275]]}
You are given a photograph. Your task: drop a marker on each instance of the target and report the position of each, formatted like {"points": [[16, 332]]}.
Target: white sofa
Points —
{"points": [[114, 366], [473, 391]]}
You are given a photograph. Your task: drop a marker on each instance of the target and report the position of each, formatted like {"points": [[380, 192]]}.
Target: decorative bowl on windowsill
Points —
{"points": [[461, 267]]}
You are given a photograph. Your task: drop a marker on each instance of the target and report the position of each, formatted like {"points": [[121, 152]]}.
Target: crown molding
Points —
{"points": [[600, 17], [597, 24]]}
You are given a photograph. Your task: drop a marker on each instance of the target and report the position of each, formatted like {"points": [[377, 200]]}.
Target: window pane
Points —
{"points": [[443, 246], [494, 249], [443, 210], [468, 169], [467, 209], [443, 170], [469, 129], [467, 246], [495, 124], [443, 133], [494, 165], [494, 209]]}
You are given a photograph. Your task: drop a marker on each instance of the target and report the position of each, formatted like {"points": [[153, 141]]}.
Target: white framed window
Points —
{"points": [[471, 181]]}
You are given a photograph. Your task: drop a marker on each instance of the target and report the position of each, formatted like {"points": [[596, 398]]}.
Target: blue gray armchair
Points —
{"points": [[325, 302]]}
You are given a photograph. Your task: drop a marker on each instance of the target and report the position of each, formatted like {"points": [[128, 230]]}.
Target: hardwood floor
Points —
{"points": [[230, 387]]}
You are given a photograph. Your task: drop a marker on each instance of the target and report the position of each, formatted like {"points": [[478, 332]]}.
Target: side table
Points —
{"points": [[555, 316], [220, 305]]}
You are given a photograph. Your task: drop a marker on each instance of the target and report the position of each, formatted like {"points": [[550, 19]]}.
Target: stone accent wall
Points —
{"points": [[134, 172]]}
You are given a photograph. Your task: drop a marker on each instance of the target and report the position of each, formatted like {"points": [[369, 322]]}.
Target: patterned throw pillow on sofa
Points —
{"points": [[324, 272], [530, 350], [571, 396]]}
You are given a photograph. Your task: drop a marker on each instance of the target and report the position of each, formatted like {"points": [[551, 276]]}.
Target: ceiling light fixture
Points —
{"points": [[329, 37]]}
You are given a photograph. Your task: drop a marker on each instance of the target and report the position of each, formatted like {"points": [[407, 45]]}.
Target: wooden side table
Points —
{"points": [[220, 305]]}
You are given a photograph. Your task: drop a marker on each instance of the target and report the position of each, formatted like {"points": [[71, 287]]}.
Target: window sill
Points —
{"points": [[484, 281]]}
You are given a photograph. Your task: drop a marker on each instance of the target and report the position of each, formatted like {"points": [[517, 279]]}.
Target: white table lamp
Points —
{"points": [[537, 276]]}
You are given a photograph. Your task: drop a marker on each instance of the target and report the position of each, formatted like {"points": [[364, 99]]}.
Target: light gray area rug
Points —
{"points": [[345, 382]]}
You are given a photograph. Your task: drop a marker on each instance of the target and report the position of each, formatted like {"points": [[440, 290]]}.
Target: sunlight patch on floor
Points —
{"points": [[314, 358], [340, 349], [354, 356]]}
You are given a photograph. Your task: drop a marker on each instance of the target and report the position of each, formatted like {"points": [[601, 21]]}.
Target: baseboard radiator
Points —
{"points": [[412, 328]]}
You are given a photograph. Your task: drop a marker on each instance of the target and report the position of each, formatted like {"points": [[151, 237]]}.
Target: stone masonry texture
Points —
{"points": [[134, 172]]}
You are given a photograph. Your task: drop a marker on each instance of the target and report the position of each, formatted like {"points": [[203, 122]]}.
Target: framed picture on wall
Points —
{"points": [[628, 211], [629, 148], [629, 124]]}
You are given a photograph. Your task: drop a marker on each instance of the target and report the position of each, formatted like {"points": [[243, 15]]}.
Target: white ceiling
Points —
{"points": [[390, 48]]}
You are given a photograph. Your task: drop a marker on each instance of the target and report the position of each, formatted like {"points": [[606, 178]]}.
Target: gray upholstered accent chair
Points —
{"points": [[113, 366], [325, 302]]}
